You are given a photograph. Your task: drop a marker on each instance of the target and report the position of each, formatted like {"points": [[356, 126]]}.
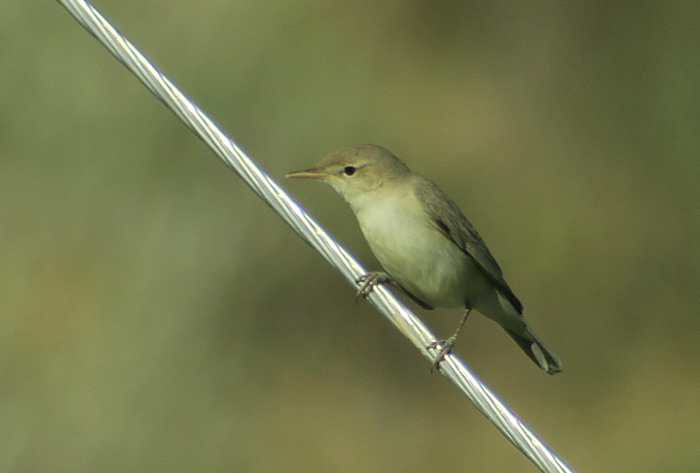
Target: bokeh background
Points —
{"points": [[156, 316]]}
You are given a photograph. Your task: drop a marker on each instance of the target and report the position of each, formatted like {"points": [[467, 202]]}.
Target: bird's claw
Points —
{"points": [[368, 282], [445, 347]]}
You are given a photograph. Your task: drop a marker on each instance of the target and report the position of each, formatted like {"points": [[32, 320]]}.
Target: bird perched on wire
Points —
{"points": [[425, 243]]}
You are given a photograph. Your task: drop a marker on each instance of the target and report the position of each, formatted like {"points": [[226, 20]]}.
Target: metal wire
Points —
{"points": [[413, 328]]}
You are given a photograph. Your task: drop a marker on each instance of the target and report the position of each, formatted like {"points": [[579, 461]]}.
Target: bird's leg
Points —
{"points": [[369, 281], [448, 344]]}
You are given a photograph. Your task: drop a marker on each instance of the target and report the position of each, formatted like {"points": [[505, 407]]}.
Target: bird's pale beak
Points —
{"points": [[313, 173]]}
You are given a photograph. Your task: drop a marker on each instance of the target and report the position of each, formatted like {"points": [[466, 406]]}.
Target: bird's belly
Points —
{"points": [[424, 261]]}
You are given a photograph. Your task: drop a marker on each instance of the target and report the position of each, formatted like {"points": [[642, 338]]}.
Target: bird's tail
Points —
{"points": [[536, 351]]}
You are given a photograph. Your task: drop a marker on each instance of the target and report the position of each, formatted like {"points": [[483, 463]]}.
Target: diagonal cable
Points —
{"points": [[411, 326]]}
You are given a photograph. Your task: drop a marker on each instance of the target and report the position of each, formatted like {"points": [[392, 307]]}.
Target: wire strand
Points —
{"points": [[408, 323]]}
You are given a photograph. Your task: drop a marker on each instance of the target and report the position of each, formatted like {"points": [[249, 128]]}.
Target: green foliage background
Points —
{"points": [[156, 316]]}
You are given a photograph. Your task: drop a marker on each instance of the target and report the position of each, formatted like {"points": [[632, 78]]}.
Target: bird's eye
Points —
{"points": [[349, 170]]}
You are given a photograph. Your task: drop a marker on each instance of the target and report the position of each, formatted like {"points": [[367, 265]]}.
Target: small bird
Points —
{"points": [[425, 243]]}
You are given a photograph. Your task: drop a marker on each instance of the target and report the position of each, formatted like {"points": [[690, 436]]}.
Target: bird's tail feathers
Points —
{"points": [[536, 351]]}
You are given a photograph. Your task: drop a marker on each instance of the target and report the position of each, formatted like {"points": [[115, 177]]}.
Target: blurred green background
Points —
{"points": [[156, 316]]}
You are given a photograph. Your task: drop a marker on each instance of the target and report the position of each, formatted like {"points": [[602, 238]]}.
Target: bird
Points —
{"points": [[425, 243]]}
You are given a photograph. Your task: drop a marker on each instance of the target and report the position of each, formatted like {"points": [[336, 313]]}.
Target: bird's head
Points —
{"points": [[356, 170]]}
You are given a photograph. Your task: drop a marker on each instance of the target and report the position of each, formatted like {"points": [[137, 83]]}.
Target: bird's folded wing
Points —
{"points": [[452, 223]]}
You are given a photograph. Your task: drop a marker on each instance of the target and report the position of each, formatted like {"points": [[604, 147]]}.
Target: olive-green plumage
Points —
{"points": [[425, 243]]}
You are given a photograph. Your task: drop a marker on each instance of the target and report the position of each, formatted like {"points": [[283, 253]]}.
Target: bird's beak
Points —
{"points": [[314, 173]]}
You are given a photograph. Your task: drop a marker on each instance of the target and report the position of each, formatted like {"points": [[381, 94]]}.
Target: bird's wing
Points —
{"points": [[451, 222]]}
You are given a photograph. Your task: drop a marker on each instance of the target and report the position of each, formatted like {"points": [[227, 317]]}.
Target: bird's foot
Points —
{"points": [[445, 347], [369, 281]]}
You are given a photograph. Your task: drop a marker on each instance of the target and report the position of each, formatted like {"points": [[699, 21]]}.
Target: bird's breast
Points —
{"points": [[414, 252]]}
